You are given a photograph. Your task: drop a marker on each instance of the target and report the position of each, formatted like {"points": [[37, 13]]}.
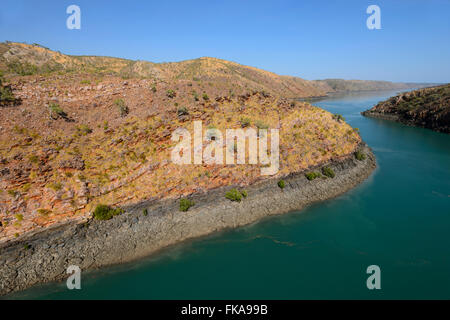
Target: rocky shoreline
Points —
{"points": [[426, 108], [44, 256]]}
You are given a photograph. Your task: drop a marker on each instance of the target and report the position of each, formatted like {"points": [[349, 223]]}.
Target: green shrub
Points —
{"points": [[83, 130], [281, 184], [327, 171], [43, 212], [312, 175], [236, 195], [145, 212], [56, 111], [19, 217], [245, 122], [171, 93], [185, 204], [261, 125], [13, 193], [122, 107], [195, 95], [205, 97], [6, 94], [33, 158], [23, 69], [56, 186], [360, 155], [154, 89], [183, 111], [104, 212], [338, 117]]}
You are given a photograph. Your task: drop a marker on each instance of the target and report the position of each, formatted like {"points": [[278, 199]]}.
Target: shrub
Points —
{"points": [[19, 217], [338, 117], [281, 184], [195, 95], [83, 130], [123, 108], [261, 125], [183, 111], [245, 122], [104, 212], [185, 204], [312, 175], [26, 187], [33, 158], [236, 195], [56, 186], [327, 171], [56, 111], [145, 212], [23, 69], [205, 97], [6, 94], [359, 155], [171, 93], [43, 212], [154, 89]]}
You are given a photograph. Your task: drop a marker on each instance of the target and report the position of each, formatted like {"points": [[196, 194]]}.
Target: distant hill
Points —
{"points": [[25, 59], [428, 108], [340, 85]]}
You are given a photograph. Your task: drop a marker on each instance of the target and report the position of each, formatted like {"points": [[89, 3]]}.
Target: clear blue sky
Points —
{"points": [[310, 39]]}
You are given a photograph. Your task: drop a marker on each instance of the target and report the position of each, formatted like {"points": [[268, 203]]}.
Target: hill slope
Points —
{"points": [[340, 85], [226, 76]]}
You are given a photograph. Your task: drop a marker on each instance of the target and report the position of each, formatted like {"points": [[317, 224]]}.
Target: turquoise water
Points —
{"points": [[398, 219]]}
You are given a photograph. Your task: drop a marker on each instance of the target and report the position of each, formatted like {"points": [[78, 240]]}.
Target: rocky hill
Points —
{"points": [[219, 75], [340, 85], [428, 108]]}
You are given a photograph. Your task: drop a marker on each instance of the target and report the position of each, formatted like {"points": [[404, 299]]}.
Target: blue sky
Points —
{"points": [[310, 39]]}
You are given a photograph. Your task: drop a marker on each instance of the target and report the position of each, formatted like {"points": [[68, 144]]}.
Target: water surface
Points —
{"points": [[398, 219]]}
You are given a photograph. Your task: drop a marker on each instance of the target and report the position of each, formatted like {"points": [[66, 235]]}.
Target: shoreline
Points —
{"points": [[398, 119], [44, 256]]}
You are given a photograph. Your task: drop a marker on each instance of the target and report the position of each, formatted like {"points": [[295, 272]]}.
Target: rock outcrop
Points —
{"points": [[427, 108]]}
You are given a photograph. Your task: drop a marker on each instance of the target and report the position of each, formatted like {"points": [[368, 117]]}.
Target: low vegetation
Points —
{"points": [[185, 204], [328, 172], [6, 94], [122, 107], [338, 117], [360, 155], [281, 184], [312, 175], [171, 93], [236, 195], [104, 212], [56, 111]]}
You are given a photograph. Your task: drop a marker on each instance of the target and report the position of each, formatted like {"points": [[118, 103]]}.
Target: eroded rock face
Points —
{"points": [[76, 163], [428, 108]]}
